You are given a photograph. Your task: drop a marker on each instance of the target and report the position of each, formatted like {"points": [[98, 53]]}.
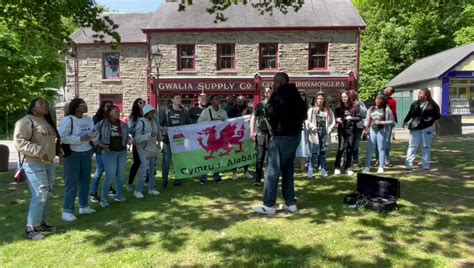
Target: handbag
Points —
{"points": [[67, 147], [313, 135], [20, 174]]}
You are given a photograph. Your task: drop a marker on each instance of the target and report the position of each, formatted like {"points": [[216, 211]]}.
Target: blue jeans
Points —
{"points": [[167, 154], [318, 151], [422, 137], [355, 152], [99, 163], [147, 169], [77, 177], [281, 158], [377, 140], [40, 181], [114, 163]]}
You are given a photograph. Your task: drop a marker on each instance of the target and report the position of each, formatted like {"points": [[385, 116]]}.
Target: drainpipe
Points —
{"points": [[76, 75]]}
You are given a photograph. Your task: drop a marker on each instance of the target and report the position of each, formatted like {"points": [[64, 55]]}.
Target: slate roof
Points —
{"points": [[432, 67], [130, 25], [314, 13]]}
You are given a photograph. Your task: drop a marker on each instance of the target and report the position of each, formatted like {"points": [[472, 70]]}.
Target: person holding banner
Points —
{"points": [[211, 113], [286, 111], [146, 136], [196, 111], [174, 115]]}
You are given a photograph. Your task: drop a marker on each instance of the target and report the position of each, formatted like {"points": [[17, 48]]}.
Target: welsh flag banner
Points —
{"points": [[200, 149]]}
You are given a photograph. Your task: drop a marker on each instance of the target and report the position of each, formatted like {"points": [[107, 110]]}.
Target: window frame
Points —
{"points": [[310, 57], [219, 57], [179, 48], [262, 57], [105, 65]]}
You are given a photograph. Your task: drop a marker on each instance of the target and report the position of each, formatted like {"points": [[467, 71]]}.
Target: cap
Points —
{"points": [[148, 108]]}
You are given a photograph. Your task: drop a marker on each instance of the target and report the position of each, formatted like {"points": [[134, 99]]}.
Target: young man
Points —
{"points": [[212, 113], [195, 112], [260, 132], [392, 103], [174, 115]]}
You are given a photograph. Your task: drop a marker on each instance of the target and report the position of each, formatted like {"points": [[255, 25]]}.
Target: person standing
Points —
{"points": [[320, 123], [261, 135], [286, 111], [360, 126], [174, 115], [146, 138], [377, 124], [195, 112], [77, 130], [99, 164], [212, 113], [392, 104], [420, 119], [347, 116], [136, 114], [37, 138], [113, 140]]}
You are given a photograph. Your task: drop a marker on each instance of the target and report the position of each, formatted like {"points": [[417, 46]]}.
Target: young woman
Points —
{"points": [[113, 140], [146, 135], [99, 165], [320, 123], [420, 119], [360, 126], [132, 122], [37, 138], [347, 116], [77, 130], [303, 151], [378, 125]]}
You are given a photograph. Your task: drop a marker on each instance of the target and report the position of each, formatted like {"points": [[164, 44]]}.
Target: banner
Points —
{"points": [[200, 149]]}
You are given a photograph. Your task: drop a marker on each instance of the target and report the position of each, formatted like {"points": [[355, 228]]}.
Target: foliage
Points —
{"points": [[399, 32]]}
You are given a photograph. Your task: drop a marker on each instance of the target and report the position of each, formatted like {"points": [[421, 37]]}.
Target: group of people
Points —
{"points": [[277, 124]]}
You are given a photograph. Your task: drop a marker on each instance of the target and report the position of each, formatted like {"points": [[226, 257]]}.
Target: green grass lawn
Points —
{"points": [[213, 225]]}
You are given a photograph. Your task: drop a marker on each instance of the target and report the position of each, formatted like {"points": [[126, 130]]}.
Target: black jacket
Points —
{"points": [[425, 117], [286, 111]]}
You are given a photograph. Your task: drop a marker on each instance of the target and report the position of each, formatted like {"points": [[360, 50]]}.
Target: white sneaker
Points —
{"points": [[337, 171], [86, 210], [247, 175], [153, 192], [264, 210], [234, 176], [380, 170], [324, 173], [290, 208], [310, 173], [366, 170], [138, 195], [349, 172], [66, 216]]}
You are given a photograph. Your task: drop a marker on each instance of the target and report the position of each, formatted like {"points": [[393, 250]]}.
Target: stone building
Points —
{"points": [[187, 52]]}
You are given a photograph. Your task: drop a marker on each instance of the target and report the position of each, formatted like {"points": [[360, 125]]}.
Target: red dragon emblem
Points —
{"points": [[227, 138]]}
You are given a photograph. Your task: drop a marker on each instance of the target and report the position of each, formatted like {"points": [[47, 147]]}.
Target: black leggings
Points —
{"points": [[346, 145], [135, 165]]}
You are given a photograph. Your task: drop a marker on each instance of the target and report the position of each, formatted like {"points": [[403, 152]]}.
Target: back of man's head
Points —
{"points": [[280, 79]]}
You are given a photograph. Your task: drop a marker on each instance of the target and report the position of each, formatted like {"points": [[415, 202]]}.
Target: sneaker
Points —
{"points": [[247, 175], [66, 216], [337, 171], [349, 172], [94, 198], [388, 164], [219, 180], [366, 170], [234, 176], [407, 167], [138, 195], [264, 210], [153, 192], [202, 182], [86, 210], [104, 203], [130, 188], [355, 166], [120, 199], [112, 193], [257, 183], [380, 170], [45, 228], [310, 173], [33, 234], [290, 208], [324, 173]]}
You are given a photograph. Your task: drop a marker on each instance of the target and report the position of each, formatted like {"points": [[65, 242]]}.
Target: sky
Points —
{"points": [[130, 5]]}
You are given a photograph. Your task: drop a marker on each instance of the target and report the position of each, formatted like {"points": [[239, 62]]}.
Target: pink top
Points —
{"points": [[392, 103]]}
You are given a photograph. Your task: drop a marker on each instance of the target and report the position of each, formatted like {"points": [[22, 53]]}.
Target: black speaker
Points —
{"points": [[374, 186]]}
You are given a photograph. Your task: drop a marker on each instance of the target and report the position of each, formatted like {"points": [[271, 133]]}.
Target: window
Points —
{"points": [[110, 65], [269, 56], [225, 56], [318, 56], [185, 57]]}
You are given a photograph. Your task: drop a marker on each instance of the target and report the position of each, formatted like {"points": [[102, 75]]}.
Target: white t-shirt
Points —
{"points": [[81, 126]]}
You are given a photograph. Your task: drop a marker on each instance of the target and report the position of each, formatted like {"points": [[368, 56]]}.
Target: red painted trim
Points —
{"points": [[358, 56], [178, 57], [260, 57], [325, 69], [255, 29], [218, 58], [103, 67]]}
